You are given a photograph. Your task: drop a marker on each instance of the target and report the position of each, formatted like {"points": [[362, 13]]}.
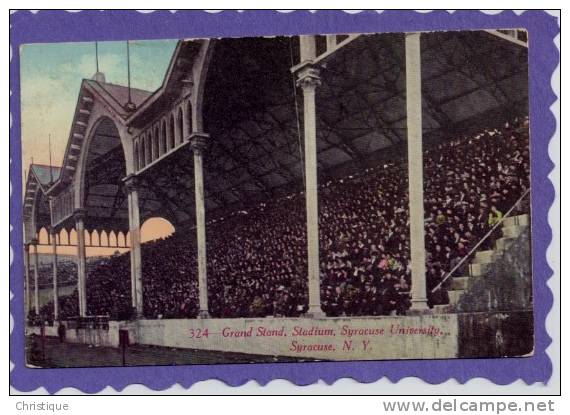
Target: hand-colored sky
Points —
{"points": [[51, 76]]}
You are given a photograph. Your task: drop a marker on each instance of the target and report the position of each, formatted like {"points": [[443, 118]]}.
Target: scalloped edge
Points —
{"points": [[543, 29]]}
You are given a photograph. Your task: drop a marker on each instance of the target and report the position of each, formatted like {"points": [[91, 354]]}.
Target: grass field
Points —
{"points": [[55, 354]]}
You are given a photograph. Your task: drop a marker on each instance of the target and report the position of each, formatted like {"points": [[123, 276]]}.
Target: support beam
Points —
{"points": [[79, 216], [54, 269], [132, 187], [198, 145], [331, 42], [308, 48], [415, 170], [308, 80]]}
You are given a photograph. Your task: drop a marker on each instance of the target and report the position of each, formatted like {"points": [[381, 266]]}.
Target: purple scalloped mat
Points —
{"points": [[61, 26]]}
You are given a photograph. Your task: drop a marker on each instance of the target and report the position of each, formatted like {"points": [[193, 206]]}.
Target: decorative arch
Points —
{"points": [[64, 237], [103, 238], [148, 143], [112, 238], [121, 239], [159, 148], [95, 238], [180, 123], [73, 237], [37, 210], [163, 137], [171, 133], [86, 237], [43, 236], [104, 126], [189, 120], [155, 151], [136, 155], [142, 152]]}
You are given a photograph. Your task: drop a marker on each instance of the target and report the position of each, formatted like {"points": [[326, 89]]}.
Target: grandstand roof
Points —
{"points": [[470, 80], [253, 113], [120, 93], [39, 179]]}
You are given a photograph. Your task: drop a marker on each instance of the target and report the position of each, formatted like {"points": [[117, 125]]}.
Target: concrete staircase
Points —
{"points": [[512, 227]]}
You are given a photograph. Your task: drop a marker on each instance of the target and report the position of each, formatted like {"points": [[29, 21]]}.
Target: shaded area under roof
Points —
{"points": [[253, 113]]}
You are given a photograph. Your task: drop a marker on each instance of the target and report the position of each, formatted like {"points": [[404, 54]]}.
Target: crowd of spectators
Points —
{"points": [[257, 263], [66, 272]]}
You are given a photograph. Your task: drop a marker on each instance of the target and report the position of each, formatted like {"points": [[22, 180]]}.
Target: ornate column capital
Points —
{"points": [[34, 241], [308, 76], [79, 214], [198, 142]]}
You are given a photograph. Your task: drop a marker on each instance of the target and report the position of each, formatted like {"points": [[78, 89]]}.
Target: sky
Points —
{"points": [[51, 75]]}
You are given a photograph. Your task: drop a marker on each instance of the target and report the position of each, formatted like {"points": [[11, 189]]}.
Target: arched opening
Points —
{"points": [[73, 237], [148, 142], [155, 152], [106, 207], [142, 153], [86, 237], [43, 236], [136, 155], [112, 238], [63, 237], [103, 239], [121, 239], [42, 213], [159, 149], [189, 122], [163, 138], [171, 134], [156, 228], [95, 239], [180, 120]]}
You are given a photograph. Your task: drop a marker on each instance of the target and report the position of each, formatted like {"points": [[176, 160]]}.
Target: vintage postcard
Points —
{"points": [[355, 191]]}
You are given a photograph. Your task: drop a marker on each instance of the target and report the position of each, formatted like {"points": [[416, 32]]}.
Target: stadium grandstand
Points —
{"points": [[305, 177]]}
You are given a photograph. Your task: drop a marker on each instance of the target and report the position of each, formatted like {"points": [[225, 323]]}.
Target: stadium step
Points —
{"points": [[520, 220], [459, 283], [502, 244], [512, 231], [454, 296], [478, 269], [442, 309], [512, 227], [484, 257]]}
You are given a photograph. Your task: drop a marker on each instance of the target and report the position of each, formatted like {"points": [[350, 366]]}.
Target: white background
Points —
{"points": [[329, 405]]}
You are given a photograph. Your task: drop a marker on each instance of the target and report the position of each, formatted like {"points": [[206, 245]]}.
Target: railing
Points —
{"points": [[460, 263], [517, 36]]}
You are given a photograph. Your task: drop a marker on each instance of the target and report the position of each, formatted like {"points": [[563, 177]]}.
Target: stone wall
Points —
{"points": [[399, 337], [432, 336]]}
